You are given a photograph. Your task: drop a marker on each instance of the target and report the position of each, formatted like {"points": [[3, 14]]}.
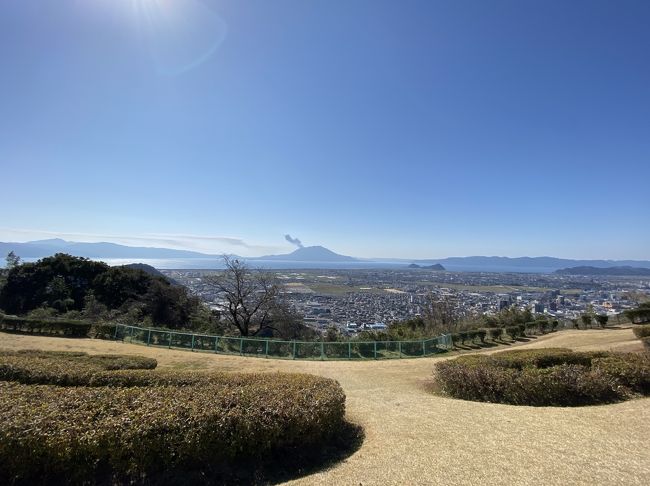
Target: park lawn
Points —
{"points": [[414, 437]]}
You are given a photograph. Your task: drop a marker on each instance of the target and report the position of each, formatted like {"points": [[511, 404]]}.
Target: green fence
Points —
{"points": [[274, 348]]}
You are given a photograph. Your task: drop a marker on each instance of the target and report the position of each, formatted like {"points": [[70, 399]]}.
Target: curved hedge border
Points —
{"points": [[546, 377], [64, 368], [150, 426]]}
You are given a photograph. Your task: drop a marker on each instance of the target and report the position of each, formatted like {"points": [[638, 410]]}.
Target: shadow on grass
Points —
{"points": [[281, 466]]}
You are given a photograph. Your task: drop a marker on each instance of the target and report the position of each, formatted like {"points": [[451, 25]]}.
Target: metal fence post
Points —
{"points": [[266, 351], [170, 341], [294, 351], [241, 346], [399, 346], [116, 326], [322, 350], [349, 350], [375, 343], [216, 344], [149, 337], [423, 349], [192, 342]]}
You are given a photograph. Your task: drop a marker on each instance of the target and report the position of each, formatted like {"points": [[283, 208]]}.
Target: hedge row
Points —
{"points": [[496, 333], [122, 434], [60, 327], [57, 327], [64, 368], [642, 331], [546, 377]]}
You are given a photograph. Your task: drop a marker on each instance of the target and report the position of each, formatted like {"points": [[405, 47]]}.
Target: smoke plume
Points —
{"points": [[294, 241]]}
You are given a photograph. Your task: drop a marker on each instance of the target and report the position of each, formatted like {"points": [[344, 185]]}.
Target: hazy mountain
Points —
{"points": [[611, 271], [524, 264], [309, 254], [43, 248]]}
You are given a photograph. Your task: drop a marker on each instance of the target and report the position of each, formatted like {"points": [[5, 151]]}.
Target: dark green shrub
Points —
{"points": [[544, 358], [464, 336], [102, 330], [495, 333], [642, 331], [472, 334], [531, 327], [481, 334], [522, 329], [60, 327], [545, 377], [130, 434], [456, 339], [554, 325], [512, 332]]}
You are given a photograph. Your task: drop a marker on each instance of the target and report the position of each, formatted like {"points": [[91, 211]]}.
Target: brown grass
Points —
{"points": [[414, 437]]}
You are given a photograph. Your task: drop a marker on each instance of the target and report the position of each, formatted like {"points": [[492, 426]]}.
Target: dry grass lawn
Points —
{"points": [[413, 437]]}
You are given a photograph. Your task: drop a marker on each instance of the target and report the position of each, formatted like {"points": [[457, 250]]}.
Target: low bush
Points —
{"points": [[512, 332], [126, 434], [531, 327], [464, 336], [102, 330], [495, 333], [642, 331], [455, 339], [63, 368], [481, 334], [546, 377], [631, 370], [61, 327]]}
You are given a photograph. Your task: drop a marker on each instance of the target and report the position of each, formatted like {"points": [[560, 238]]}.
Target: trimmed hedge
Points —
{"points": [[91, 434], [58, 327], [642, 331], [546, 377], [63, 368], [147, 426], [495, 333]]}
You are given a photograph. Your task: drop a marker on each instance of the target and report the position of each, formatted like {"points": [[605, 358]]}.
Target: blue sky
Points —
{"points": [[394, 129]]}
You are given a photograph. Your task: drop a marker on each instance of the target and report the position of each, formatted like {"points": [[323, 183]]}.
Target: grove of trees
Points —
{"points": [[68, 285]]}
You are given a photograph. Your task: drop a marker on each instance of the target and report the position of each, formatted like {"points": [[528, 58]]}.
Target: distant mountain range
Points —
{"points": [[312, 255], [525, 264], [43, 248], [611, 271]]}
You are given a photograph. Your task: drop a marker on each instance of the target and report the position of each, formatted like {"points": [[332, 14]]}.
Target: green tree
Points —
{"points": [[12, 260], [602, 319], [586, 319]]}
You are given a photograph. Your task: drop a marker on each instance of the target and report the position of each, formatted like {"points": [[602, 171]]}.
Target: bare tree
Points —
{"points": [[440, 314], [249, 296]]}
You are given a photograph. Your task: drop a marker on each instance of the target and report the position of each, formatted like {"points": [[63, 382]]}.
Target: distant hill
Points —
{"points": [[524, 264], [611, 271], [309, 254], [44, 248], [435, 266]]}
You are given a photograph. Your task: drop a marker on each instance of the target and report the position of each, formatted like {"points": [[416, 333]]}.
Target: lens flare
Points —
{"points": [[181, 34]]}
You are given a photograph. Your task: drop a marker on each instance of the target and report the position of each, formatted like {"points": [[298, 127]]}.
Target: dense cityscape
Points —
{"points": [[352, 300]]}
